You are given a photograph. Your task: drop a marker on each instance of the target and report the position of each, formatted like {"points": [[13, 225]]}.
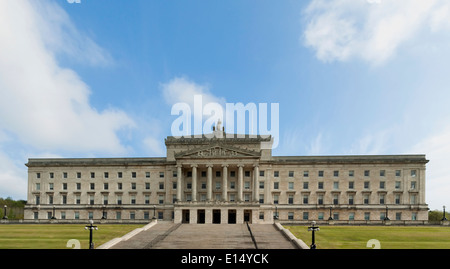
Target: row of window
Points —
{"points": [[351, 216], [232, 198], [351, 173], [232, 185]]}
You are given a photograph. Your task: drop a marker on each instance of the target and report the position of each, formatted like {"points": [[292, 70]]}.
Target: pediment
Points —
{"points": [[217, 151]]}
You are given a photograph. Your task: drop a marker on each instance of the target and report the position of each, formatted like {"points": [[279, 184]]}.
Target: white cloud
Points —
{"points": [[181, 89], [45, 105], [155, 146], [370, 30]]}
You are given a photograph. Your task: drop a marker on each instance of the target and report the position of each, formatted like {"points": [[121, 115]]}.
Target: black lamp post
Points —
{"points": [[90, 227], [313, 228], [386, 217], [330, 218], [53, 216], [443, 214], [5, 217]]}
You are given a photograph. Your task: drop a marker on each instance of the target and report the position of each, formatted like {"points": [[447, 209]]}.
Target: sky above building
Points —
{"points": [[99, 78]]}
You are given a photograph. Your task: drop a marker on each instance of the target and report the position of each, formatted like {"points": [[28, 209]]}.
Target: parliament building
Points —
{"points": [[227, 179]]}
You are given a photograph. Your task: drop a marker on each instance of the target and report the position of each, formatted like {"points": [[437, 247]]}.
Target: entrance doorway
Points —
{"points": [[248, 216], [216, 216], [231, 216], [185, 216], [200, 216]]}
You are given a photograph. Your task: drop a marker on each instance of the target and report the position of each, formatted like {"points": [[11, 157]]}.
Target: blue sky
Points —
{"points": [[99, 78]]}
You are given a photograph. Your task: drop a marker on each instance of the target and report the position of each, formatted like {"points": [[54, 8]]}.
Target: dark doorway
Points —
{"points": [[232, 216], [248, 216], [186, 216], [216, 216], [200, 216]]}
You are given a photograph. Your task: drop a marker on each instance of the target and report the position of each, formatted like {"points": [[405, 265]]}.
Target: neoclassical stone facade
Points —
{"points": [[229, 180]]}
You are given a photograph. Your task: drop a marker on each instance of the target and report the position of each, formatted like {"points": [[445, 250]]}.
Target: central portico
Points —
{"points": [[219, 178]]}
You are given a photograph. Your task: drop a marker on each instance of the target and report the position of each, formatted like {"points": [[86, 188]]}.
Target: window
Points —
{"points": [[336, 185], [119, 199], [247, 197], [290, 215], [64, 186], [291, 199], [232, 174], [232, 197], [366, 184], [382, 173], [275, 185], [52, 175], [398, 184], [320, 185], [92, 174], [320, 199], [350, 199], [161, 174], [366, 199], [261, 173], [305, 185], [147, 185], [291, 173], [275, 198], [106, 175], [397, 199], [161, 185], [335, 173], [291, 185], [105, 199], [38, 175], [132, 215], [203, 183], [161, 199], [351, 216], [398, 173], [78, 174], [105, 186], [398, 216], [382, 196], [261, 184], [276, 173], [38, 200], [261, 198], [119, 186], [119, 174], [413, 173], [64, 199], [413, 185], [64, 174], [174, 185], [247, 185], [320, 173], [133, 199], [38, 186], [335, 199], [217, 173], [77, 215], [218, 185], [133, 174], [78, 186], [175, 174], [351, 173], [305, 199], [382, 184], [118, 215], [92, 186], [413, 216], [78, 199], [50, 186], [232, 185], [247, 173], [147, 174], [366, 173], [366, 215], [305, 173], [320, 215], [133, 185], [351, 185], [91, 199]]}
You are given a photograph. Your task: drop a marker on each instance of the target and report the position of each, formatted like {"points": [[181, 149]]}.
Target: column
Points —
{"points": [[240, 181], [255, 183], [209, 183], [194, 183], [179, 182], [268, 187], [225, 182]]}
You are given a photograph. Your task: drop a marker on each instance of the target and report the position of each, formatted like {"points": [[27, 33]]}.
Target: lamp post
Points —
{"points": [[90, 227], [313, 228], [53, 216], [443, 214], [330, 218], [4, 216], [386, 217]]}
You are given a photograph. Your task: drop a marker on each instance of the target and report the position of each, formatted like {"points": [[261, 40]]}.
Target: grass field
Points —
{"points": [[55, 236], [390, 237]]}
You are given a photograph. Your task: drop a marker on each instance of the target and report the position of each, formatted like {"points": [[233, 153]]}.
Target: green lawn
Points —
{"points": [[390, 237], [55, 236]]}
